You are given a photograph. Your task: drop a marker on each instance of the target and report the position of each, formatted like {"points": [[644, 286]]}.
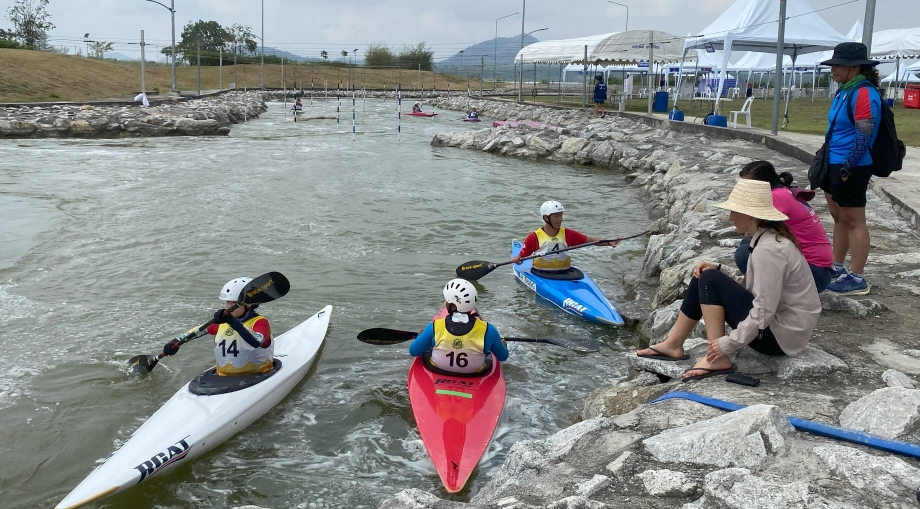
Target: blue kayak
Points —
{"points": [[580, 297]]}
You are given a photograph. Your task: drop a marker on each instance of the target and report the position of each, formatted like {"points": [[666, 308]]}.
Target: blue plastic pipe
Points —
{"points": [[824, 430]]}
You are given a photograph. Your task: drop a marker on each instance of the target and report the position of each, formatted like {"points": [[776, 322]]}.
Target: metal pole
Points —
{"points": [[236, 83], [523, 16], [868, 24], [777, 83], [143, 67], [521, 81], [651, 58], [584, 80], [220, 68], [482, 63], [198, 45], [262, 75], [172, 12]]}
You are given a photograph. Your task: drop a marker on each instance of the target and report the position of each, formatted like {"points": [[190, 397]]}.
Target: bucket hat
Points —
{"points": [[753, 198], [850, 54]]}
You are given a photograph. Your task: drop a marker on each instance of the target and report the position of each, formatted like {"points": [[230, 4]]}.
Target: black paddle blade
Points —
{"points": [[142, 364], [265, 288], [381, 336], [475, 269]]}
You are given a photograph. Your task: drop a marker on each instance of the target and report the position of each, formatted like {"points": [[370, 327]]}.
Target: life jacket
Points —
{"points": [[474, 114], [460, 354], [237, 357], [548, 260]]}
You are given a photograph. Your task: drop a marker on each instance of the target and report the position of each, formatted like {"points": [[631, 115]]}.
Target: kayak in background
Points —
{"points": [[421, 114], [577, 294], [474, 119], [203, 414], [456, 415]]}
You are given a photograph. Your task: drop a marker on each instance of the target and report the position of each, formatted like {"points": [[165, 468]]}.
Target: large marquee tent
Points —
{"points": [[753, 25]]}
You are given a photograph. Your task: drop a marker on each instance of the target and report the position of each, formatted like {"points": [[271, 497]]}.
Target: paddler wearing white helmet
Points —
{"points": [[416, 108], [242, 338], [553, 237], [461, 341]]}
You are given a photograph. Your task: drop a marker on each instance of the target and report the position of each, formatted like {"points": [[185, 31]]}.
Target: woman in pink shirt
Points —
{"points": [[803, 222]]}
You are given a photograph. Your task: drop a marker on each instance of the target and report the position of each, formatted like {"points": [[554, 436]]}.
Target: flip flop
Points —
{"points": [[663, 356], [708, 373]]}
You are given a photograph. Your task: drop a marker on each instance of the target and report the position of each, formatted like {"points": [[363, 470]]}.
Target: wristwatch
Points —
{"points": [[845, 171]]}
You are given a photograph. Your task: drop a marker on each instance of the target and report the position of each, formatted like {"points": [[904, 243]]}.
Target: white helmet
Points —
{"points": [[461, 293], [550, 207], [231, 290]]}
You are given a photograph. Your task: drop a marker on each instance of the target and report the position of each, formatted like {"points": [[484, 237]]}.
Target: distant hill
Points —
{"points": [[118, 56], [508, 48]]}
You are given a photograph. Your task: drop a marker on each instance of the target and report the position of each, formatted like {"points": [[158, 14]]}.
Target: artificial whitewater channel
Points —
{"points": [[112, 247]]}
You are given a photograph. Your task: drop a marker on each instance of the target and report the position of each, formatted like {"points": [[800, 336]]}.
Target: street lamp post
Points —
{"points": [[495, 52], [522, 61], [262, 40], [172, 11], [461, 60], [627, 12], [354, 55]]}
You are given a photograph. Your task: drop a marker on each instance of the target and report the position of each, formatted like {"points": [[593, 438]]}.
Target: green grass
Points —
{"points": [[804, 116]]}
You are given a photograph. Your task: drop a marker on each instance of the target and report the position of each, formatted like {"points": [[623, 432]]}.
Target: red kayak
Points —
{"points": [[456, 416], [421, 114]]}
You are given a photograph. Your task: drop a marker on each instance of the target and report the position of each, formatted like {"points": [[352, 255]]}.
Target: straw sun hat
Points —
{"points": [[753, 198]]}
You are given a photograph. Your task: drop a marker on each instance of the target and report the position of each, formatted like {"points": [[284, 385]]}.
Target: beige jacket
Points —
{"points": [[785, 297]]}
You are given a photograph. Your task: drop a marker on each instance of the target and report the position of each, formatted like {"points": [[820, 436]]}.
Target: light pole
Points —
{"points": [[522, 61], [461, 60], [354, 55], [495, 52], [627, 12], [172, 12], [262, 40], [87, 41]]}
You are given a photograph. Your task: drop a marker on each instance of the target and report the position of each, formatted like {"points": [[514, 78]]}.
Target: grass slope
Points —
{"points": [[32, 76]]}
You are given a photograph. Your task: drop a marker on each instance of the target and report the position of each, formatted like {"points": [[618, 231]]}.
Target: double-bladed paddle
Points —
{"points": [[381, 336], [477, 269], [265, 288]]}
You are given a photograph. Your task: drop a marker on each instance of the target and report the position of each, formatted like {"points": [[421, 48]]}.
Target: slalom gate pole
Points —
{"points": [[353, 127], [398, 111]]}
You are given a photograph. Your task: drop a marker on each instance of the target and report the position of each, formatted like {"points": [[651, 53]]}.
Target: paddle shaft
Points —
{"points": [[382, 336], [191, 334]]}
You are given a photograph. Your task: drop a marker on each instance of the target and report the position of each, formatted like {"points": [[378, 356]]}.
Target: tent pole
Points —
{"points": [[780, 45], [651, 56], [584, 80], [791, 87]]}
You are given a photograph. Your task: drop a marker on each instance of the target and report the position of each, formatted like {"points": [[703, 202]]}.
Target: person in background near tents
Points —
{"points": [[553, 237], [775, 308], [242, 339], [473, 114], [803, 222], [600, 96], [461, 341], [750, 90], [849, 161], [416, 108]]}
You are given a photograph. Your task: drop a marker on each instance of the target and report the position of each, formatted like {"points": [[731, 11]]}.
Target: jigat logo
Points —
{"points": [[161, 460], [465, 383], [574, 306]]}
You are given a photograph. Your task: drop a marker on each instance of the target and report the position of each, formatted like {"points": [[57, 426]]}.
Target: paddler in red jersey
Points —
{"points": [[242, 339], [550, 238], [461, 341]]}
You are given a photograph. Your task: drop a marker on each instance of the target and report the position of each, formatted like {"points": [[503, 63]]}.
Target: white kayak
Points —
{"points": [[189, 424]]}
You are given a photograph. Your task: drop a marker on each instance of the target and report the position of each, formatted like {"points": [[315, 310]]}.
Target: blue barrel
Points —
{"points": [[718, 120], [890, 103], [676, 115], [660, 105]]}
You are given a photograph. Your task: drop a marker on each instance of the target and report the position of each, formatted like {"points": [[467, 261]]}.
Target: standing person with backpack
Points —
{"points": [[853, 125]]}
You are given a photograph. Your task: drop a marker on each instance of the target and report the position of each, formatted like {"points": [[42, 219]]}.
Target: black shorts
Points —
{"points": [[598, 102], [851, 193]]}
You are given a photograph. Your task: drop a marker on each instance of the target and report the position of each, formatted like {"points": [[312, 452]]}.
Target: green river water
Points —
{"points": [[109, 248]]}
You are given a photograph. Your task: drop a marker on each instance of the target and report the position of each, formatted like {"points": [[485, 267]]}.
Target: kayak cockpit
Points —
{"points": [[569, 274], [426, 357], [210, 383]]}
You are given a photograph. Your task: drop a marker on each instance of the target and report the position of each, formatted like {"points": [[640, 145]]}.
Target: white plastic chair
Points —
{"points": [[707, 92], [643, 93], [736, 92], [745, 110]]}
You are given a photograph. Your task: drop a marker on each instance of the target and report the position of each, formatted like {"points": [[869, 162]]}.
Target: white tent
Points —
{"points": [[633, 46], [914, 66], [906, 75], [896, 43], [753, 25], [560, 51]]}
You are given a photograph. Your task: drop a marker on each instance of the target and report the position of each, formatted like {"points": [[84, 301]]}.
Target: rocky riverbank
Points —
{"points": [[859, 372], [210, 116]]}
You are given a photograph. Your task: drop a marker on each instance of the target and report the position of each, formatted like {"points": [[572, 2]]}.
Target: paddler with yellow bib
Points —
{"points": [[550, 238], [242, 338], [461, 341]]}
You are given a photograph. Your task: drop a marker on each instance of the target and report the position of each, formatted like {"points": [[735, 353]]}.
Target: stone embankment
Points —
{"points": [[858, 372], [201, 117]]}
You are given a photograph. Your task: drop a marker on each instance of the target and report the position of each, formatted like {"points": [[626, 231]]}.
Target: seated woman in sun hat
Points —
{"points": [[774, 308]]}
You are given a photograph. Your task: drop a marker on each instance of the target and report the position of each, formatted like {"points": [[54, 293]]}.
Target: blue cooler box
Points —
{"points": [[660, 105]]}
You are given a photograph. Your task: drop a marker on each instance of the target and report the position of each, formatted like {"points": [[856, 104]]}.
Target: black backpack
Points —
{"points": [[887, 151]]}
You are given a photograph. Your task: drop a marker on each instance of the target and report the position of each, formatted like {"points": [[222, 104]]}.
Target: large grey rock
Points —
{"points": [[417, 499], [667, 483], [745, 438], [620, 399], [889, 412], [877, 476], [812, 361], [895, 378], [736, 488]]}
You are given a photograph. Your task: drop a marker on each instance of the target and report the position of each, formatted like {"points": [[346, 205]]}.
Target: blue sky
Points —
{"points": [[307, 27]]}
